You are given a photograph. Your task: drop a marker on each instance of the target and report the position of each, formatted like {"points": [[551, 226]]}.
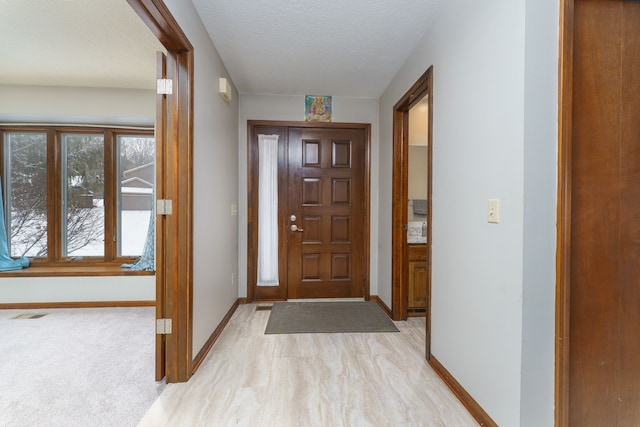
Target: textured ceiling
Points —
{"points": [[94, 43], [330, 47]]}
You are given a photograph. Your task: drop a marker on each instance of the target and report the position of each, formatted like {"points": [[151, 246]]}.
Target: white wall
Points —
{"points": [[291, 108], [77, 105], [540, 200], [215, 244], [478, 53], [77, 289], [418, 173]]}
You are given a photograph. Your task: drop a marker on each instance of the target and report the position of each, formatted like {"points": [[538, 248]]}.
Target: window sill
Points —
{"points": [[76, 270]]}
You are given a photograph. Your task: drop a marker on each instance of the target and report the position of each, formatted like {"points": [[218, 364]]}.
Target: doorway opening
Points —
{"points": [[174, 181], [412, 187], [417, 193]]}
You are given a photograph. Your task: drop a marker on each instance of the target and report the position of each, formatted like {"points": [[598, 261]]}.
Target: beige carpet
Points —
{"points": [[77, 367]]}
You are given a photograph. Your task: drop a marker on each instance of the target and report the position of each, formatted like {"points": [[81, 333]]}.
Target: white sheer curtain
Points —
{"points": [[268, 210]]}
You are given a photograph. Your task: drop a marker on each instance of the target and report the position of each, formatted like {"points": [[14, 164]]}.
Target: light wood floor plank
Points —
{"points": [[252, 379]]}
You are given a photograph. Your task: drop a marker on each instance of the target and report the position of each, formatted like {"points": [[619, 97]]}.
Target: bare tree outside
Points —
{"points": [[137, 177], [136, 151], [83, 206], [27, 184], [83, 190]]}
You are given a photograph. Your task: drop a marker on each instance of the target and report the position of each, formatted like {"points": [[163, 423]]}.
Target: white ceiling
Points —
{"points": [[93, 43], [296, 47], [330, 47]]}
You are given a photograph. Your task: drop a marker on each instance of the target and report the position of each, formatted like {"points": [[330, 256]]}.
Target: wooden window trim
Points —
{"points": [[54, 259], [89, 270]]}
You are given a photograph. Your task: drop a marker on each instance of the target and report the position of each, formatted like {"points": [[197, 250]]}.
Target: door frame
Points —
{"points": [[563, 238], [174, 181], [400, 259], [280, 293]]}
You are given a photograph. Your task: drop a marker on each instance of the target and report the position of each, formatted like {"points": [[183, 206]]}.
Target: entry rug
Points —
{"points": [[328, 317]]}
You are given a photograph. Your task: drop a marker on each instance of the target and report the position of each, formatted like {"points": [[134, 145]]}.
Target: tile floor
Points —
{"points": [[252, 379]]}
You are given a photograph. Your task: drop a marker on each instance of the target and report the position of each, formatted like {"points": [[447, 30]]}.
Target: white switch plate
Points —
{"points": [[493, 212], [234, 209]]}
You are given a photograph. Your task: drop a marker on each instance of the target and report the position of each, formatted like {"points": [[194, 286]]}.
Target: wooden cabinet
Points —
{"points": [[418, 272]]}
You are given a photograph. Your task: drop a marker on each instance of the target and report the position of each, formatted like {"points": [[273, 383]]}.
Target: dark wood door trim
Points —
{"points": [[162, 24], [399, 263], [563, 250], [160, 132], [175, 182], [571, 166], [254, 127]]}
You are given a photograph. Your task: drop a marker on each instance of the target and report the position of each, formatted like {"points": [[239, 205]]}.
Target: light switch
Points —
{"points": [[234, 209], [493, 211]]}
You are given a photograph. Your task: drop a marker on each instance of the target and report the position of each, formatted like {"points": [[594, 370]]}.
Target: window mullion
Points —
{"points": [[5, 152], [109, 195], [54, 196]]}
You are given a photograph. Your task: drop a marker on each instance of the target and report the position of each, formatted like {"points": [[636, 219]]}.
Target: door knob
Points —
{"points": [[295, 228]]}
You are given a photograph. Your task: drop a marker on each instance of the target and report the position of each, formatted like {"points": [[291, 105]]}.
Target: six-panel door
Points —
{"points": [[326, 197]]}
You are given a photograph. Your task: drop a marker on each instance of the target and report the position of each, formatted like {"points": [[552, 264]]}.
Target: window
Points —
{"points": [[82, 195], [136, 172], [25, 181], [77, 194]]}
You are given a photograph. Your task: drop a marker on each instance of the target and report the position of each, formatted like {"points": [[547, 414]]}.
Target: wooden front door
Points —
{"points": [[326, 213], [323, 229], [603, 372]]}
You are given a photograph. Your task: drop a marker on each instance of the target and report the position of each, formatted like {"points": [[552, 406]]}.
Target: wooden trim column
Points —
{"points": [[563, 259], [175, 246]]}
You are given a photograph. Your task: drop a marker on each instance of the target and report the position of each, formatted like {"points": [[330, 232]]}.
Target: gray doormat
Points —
{"points": [[328, 317]]}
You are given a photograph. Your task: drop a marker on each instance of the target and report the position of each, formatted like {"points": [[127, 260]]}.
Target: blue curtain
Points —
{"points": [[6, 262], [147, 261]]}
